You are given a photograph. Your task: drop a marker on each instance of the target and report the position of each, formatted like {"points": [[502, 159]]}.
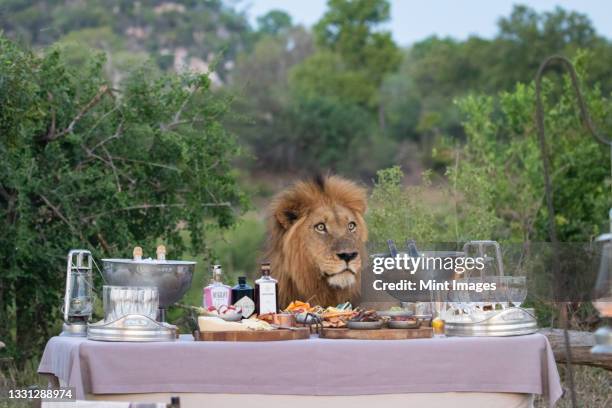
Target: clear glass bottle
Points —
{"points": [[266, 292], [243, 297], [217, 294]]}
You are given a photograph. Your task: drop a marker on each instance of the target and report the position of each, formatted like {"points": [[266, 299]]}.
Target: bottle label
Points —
{"points": [[247, 305], [219, 296], [267, 297]]}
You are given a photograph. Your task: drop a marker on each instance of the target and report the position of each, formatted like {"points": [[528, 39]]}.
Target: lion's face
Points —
{"points": [[333, 238], [317, 237]]}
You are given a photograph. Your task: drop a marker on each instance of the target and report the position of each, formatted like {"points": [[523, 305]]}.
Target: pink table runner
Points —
{"points": [[523, 364]]}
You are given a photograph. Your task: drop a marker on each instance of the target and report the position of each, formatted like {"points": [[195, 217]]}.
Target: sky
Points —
{"points": [[413, 20]]}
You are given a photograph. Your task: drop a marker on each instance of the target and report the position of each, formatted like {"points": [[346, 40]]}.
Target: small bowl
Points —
{"points": [[284, 319], [404, 324], [365, 325], [424, 320]]}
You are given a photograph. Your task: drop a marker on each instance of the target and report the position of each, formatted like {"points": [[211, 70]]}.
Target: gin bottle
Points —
{"points": [[266, 293], [243, 297], [217, 294]]}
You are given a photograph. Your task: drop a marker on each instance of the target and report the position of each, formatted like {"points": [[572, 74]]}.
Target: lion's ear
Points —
{"points": [[287, 218], [286, 212]]}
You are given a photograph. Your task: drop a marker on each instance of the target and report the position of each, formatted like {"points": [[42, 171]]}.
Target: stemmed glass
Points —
{"points": [[517, 290], [501, 291], [477, 299]]}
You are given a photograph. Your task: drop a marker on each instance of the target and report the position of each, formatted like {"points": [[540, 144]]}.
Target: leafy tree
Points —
{"points": [[437, 71], [325, 73], [328, 133], [502, 145], [274, 22], [350, 28], [495, 181], [260, 83], [85, 165]]}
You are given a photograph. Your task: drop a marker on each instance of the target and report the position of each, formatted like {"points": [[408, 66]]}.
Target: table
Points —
{"points": [[314, 367]]}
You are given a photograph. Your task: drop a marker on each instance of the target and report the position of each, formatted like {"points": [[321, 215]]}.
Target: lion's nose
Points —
{"points": [[347, 256]]}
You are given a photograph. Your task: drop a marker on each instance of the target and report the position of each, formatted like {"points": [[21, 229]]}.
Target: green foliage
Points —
{"points": [[84, 165], [261, 82], [502, 147], [203, 29], [326, 74], [274, 22], [328, 133], [274, 70], [350, 28], [437, 71], [402, 212]]}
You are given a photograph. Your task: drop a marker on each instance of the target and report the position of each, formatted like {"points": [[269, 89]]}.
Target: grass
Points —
{"points": [[12, 377], [593, 388]]}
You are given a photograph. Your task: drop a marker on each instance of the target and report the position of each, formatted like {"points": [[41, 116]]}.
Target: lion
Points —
{"points": [[317, 235]]}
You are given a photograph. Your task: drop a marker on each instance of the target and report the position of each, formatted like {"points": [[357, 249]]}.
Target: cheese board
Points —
{"points": [[296, 333], [379, 334]]}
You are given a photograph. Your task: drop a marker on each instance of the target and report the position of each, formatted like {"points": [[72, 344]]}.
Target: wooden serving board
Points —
{"points": [[299, 333], [380, 334]]}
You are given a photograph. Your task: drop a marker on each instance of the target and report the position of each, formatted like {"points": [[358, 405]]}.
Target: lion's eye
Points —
{"points": [[320, 227], [352, 226]]}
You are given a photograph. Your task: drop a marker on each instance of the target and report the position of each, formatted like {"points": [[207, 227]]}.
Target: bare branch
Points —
{"points": [[93, 102], [112, 166], [176, 120], [164, 166], [61, 216], [51, 132], [115, 135]]}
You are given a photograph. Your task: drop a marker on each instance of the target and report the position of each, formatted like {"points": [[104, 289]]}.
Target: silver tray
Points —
{"points": [[509, 322], [131, 328]]}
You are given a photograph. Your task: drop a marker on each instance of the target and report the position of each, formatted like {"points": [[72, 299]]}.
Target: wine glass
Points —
{"points": [[501, 291], [517, 290]]}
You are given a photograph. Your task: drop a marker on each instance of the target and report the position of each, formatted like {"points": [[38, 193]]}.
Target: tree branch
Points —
{"points": [[113, 168], [51, 131], [93, 102], [115, 135], [176, 120], [61, 216]]}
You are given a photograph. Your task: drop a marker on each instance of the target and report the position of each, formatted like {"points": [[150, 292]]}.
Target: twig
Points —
{"points": [[103, 243], [61, 216], [111, 137], [164, 166], [93, 102], [176, 120], [112, 166], [51, 132]]}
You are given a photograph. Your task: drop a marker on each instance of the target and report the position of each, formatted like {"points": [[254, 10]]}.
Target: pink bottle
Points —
{"points": [[217, 294]]}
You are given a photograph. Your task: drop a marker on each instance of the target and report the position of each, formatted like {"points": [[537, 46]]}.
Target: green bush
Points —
{"points": [[85, 165]]}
